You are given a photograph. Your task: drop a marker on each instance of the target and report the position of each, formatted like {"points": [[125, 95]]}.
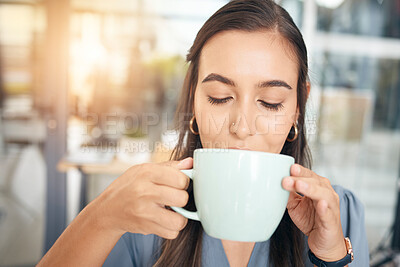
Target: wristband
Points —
{"points": [[340, 263]]}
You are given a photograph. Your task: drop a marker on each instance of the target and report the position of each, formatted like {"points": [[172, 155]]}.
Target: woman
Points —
{"points": [[246, 87]]}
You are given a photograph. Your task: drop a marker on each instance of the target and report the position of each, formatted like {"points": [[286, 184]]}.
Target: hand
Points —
{"points": [[135, 202], [316, 213]]}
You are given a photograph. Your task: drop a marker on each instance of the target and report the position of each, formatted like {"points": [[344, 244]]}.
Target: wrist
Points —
{"points": [[348, 258], [101, 219], [335, 254]]}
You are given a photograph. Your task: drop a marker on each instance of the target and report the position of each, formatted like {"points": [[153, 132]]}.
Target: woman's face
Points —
{"points": [[249, 79]]}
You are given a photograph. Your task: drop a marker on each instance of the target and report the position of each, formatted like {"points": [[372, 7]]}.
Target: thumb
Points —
{"points": [[180, 164], [185, 163]]}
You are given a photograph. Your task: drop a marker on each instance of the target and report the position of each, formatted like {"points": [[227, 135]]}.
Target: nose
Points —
{"points": [[243, 124]]}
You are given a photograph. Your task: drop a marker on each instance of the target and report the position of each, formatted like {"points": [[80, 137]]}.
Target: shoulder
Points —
{"points": [[134, 250], [140, 239], [141, 246], [351, 208]]}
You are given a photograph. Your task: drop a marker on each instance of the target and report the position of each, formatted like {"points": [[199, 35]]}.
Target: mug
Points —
{"points": [[238, 193]]}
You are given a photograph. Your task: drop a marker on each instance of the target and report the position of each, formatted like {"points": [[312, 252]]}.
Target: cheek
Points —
{"points": [[272, 125], [272, 131], [213, 127], [274, 128], [212, 123]]}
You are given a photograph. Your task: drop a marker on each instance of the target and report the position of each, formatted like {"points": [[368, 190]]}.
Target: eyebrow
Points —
{"points": [[265, 84], [274, 83]]}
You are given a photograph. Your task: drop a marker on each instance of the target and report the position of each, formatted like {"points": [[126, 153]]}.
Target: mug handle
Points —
{"points": [[188, 214]]}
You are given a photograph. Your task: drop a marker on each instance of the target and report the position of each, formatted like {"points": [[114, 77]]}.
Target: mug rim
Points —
{"points": [[242, 151]]}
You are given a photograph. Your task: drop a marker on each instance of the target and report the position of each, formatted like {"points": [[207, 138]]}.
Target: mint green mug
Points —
{"points": [[238, 193]]}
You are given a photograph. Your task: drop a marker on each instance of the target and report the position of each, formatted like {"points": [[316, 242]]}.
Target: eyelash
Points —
{"points": [[217, 101]]}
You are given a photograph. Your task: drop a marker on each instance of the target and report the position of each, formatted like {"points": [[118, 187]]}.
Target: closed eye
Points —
{"points": [[274, 107], [217, 101]]}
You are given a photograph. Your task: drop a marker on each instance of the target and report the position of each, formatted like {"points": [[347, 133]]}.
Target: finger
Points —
{"points": [[288, 184], [170, 176], [315, 179], [169, 219], [169, 196], [310, 188], [179, 164], [156, 229], [298, 170]]}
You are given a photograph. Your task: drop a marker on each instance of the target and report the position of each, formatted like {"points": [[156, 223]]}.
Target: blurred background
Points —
{"points": [[89, 88]]}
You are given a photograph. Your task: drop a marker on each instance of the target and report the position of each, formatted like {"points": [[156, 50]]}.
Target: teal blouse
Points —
{"points": [[142, 250]]}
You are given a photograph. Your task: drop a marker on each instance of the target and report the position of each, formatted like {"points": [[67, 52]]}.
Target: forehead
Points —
{"points": [[261, 54]]}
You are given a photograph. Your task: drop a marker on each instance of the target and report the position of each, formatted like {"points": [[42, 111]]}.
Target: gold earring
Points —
{"points": [[296, 133], [191, 126]]}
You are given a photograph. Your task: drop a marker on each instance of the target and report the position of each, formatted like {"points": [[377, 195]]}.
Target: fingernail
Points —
{"points": [[183, 162], [289, 181], [296, 169]]}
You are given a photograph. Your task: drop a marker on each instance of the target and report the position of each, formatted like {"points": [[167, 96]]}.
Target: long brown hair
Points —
{"points": [[287, 243]]}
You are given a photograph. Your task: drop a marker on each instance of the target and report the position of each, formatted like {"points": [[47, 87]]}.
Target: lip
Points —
{"points": [[239, 148]]}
